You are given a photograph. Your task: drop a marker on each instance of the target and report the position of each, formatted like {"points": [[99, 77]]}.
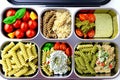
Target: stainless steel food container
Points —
{"points": [[72, 40]]}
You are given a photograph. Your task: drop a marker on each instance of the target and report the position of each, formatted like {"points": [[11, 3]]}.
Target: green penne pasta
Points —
{"points": [[90, 69], [79, 70], [93, 61], [81, 60], [94, 49], [24, 53]]}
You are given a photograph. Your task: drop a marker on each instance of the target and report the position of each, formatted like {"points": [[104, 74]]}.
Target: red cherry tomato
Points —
{"points": [[32, 24], [30, 33], [110, 66], [68, 52], [63, 46], [10, 12], [83, 17], [57, 46], [79, 32], [8, 28], [102, 64], [19, 33], [26, 17], [24, 26], [17, 23], [91, 33], [91, 18]]}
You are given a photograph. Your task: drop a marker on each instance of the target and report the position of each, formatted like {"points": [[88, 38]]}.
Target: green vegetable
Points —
{"points": [[46, 48], [9, 20], [49, 45], [20, 13]]}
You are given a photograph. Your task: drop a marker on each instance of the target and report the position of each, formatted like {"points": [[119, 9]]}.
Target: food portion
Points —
{"points": [[94, 58], [103, 20], [56, 59], [20, 23], [19, 59], [56, 24], [93, 24]]}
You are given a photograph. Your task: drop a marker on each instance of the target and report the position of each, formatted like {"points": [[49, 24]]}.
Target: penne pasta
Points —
{"points": [[22, 60], [8, 47], [24, 53], [9, 64], [19, 59], [30, 55], [21, 72], [32, 65], [34, 51], [15, 58]]}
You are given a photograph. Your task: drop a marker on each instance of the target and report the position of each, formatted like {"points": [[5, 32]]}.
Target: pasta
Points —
{"points": [[15, 58], [22, 47], [94, 58], [16, 47], [8, 47], [56, 24], [30, 55], [34, 51], [21, 72], [9, 64], [46, 70], [54, 61], [20, 59]]}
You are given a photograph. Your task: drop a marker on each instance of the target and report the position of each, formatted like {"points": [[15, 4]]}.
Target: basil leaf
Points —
{"points": [[9, 20], [20, 13]]}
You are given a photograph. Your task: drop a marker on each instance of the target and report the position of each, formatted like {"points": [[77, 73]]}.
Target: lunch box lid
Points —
{"points": [[61, 2]]}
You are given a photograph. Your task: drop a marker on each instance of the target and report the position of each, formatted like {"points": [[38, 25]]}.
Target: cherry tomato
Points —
{"points": [[24, 26], [91, 18], [17, 23], [83, 17], [102, 64], [8, 28], [19, 33], [63, 46], [30, 33], [91, 33], [10, 12], [79, 32], [110, 66], [68, 52], [32, 24], [57, 46], [26, 17]]}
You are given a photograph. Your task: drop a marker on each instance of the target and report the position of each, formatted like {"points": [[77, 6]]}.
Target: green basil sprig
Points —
{"points": [[18, 15], [9, 20]]}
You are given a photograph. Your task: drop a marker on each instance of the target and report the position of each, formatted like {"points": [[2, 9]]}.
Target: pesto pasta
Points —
{"points": [[94, 58], [19, 59]]}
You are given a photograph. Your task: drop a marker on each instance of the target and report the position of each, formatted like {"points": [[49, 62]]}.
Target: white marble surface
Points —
{"points": [[115, 4]]}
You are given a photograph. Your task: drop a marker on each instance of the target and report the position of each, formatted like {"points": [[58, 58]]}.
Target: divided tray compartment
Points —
{"points": [[62, 2], [105, 22], [6, 43], [72, 40], [113, 72], [11, 10]]}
